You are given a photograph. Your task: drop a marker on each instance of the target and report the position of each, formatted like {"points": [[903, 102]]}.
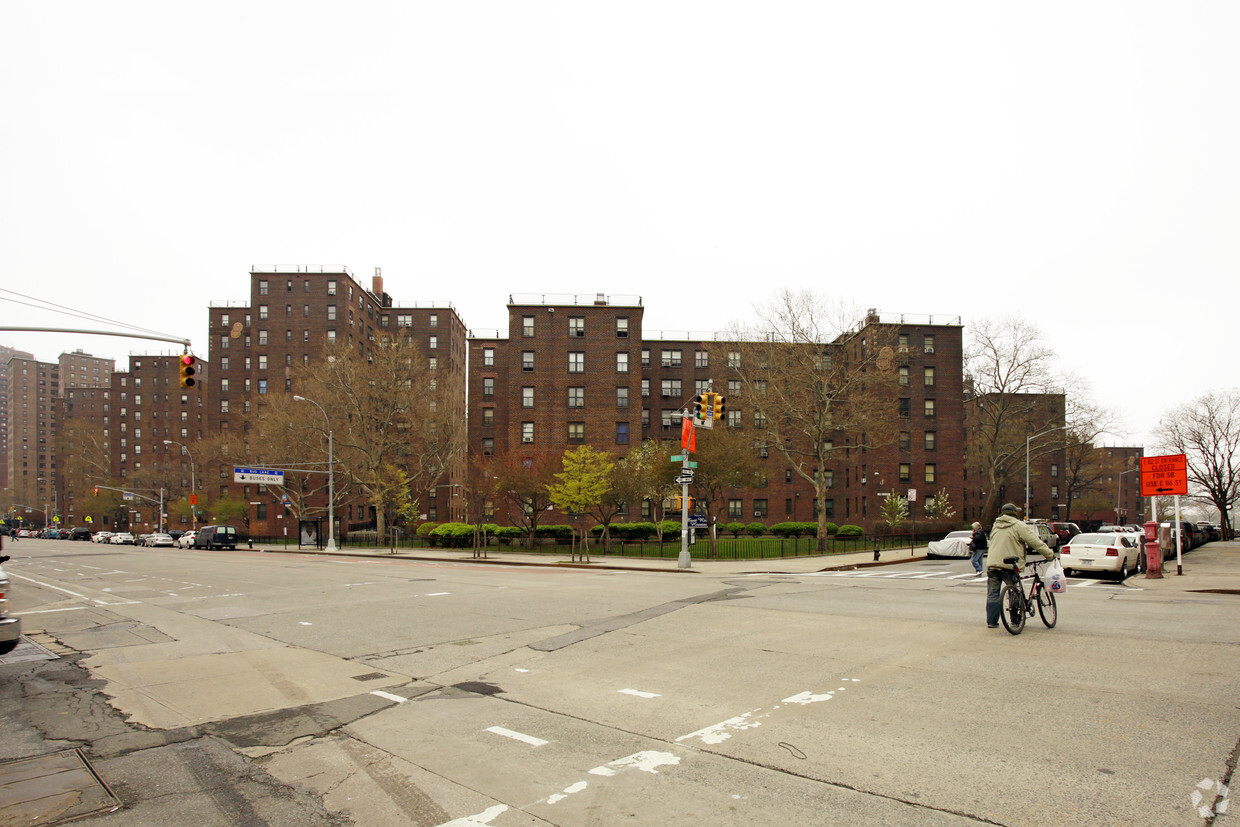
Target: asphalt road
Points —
{"points": [[245, 687]]}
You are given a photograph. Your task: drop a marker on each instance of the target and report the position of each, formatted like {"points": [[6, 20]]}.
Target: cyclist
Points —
{"points": [[1009, 537]]}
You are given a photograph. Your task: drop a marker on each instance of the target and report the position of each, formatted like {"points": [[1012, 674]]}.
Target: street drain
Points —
{"points": [[48, 789]]}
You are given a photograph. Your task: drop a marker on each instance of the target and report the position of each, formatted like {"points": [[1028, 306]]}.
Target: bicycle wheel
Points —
{"points": [[1012, 608], [1046, 607]]}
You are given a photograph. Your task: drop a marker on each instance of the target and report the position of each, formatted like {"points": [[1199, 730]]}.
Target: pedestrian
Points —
{"points": [[1009, 537], [977, 545]]}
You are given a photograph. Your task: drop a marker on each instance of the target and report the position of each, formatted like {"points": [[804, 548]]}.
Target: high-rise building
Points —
{"points": [[6, 353]]}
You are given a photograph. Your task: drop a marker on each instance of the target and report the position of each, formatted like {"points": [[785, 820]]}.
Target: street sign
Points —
{"points": [[1165, 475], [193, 499], [912, 495], [262, 476], [684, 479], [687, 472], [690, 465], [698, 521], [677, 458]]}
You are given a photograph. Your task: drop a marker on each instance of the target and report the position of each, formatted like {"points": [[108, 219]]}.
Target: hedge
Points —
{"points": [[847, 532]]}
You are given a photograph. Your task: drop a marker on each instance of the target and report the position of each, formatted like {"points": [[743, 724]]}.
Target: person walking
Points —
{"points": [[1009, 537], [977, 545]]}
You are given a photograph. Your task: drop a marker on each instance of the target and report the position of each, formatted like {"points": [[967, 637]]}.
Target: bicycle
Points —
{"points": [[1015, 605]]}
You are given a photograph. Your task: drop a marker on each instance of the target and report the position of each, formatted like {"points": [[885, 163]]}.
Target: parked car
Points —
{"points": [[10, 627], [175, 533], [186, 540], [1115, 553], [955, 544], [123, 538], [1208, 530], [1044, 533], [101, 536], [1187, 531], [216, 536], [1064, 531], [80, 534], [158, 541]]}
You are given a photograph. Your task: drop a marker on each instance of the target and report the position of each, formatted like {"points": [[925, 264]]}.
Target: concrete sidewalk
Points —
{"points": [[1214, 567]]}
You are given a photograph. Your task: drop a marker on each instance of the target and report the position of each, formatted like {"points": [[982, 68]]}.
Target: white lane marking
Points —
{"points": [[517, 736], [808, 698], [519, 669], [645, 761], [569, 790], [49, 611], [932, 574], [722, 731], [483, 817], [437, 594], [57, 588], [304, 623], [910, 573], [389, 696], [639, 693]]}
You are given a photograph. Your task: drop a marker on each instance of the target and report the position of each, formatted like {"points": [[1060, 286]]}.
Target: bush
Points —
{"points": [[795, 530], [424, 531], [508, 532], [850, 532], [453, 535], [831, 528], [554, 532], [635, 532], [671, 527], [756, 529], [734, 529]]}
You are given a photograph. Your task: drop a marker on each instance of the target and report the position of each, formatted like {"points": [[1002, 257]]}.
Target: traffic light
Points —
{"points": [[96, 491], [678, 503], [719, 407], [699, 406], [187, 370]]}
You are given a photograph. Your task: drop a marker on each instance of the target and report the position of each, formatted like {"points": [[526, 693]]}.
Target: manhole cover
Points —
{"points": [[51, 788]]}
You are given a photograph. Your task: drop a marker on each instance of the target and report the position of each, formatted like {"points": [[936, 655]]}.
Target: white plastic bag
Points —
{"points": [[1055, 578]]}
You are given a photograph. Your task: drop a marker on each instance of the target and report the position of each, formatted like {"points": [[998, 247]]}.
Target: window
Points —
{"points": [[759, 419], [929, 409], [488, 416], [262, 361], [735, 508], [262, 312], [645, 387], [488, 446], [701, 359], [734, 388], [759, 508], [576, 432], [527, 397], [488, 388], [669, 358], [577, 361], [903, 373], [404, 320], [828, 479], [262, 287], [622, 398], [577, 327], [645, 417], [701, 386], [671, 388], [667, 419], [331, 287], [906, 441], [577, 397], [929, 374], [527, 360], [1054, 492], [434, 344], [262, 385], [906, 472], [645, 358], [734, 359], [905, 404], [734, 419], [527, 326], [433, 321], [622, 327], [902, 343], [622, 433], [930, 473], [224, 320], [488, 357], [622, 362], [527, 432], [1055, 469], [930, 440], [223, 343], [331, 312], [223, 386], [224, 406], [928, 344]]}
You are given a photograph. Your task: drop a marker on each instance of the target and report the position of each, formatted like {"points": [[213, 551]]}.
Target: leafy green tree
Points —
{"points": [[583, 482], [894, 511], [939, 506]]}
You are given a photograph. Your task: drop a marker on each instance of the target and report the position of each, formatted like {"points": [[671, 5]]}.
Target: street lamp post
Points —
{"points": [[193, 483], [1027, 441], [331, 477]]}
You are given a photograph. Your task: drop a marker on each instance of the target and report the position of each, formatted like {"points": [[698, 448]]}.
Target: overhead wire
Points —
{"points": [[73, 312]]}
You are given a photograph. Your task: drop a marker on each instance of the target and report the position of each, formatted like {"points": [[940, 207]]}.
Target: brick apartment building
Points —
{"points": [[6, 353], [291, 314], [581, 370]]}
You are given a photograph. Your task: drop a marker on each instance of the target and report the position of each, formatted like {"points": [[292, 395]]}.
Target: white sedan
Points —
{"points": [[186, 540], [1114, 553], [122, 539], [955, 544]]}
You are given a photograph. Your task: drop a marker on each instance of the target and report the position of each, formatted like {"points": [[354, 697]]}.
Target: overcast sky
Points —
{"points": [[1077, 163]]}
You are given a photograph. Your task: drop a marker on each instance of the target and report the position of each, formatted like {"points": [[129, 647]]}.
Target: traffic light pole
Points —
{"points": [[683, 561]]}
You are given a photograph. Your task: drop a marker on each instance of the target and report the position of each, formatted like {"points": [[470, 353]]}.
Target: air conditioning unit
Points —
{"points": [[929, 348], [527, 439], [903, 348], [579, 333]]}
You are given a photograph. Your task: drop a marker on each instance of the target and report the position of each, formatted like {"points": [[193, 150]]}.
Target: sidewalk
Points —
{"points": [[1214, 567]]}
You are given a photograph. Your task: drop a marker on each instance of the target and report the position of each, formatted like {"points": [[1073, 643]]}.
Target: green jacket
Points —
{"points": [[1009, 537]]}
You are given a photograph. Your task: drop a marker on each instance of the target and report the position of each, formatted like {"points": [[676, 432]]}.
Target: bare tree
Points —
{"points": [[1009, 371], [524, 482], [727, 459], [387, 410], [1086, 467], [1207, 432], [808, 382]]}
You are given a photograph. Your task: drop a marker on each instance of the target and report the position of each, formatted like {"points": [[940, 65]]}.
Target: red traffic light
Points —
{"points": [[187, 370]]}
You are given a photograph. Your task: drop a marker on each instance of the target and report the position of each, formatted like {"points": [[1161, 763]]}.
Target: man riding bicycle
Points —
{"points": [[1009, 537]]}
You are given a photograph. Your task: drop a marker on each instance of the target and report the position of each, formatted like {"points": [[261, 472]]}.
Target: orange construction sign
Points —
{"points": [[1163, 476], [688, 434]]}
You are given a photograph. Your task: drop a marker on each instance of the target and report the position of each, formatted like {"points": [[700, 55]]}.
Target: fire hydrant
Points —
{"points": [[876, 551]]}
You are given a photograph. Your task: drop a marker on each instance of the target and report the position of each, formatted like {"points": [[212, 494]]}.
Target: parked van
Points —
{"points": [[216, 536], [10, 627]]}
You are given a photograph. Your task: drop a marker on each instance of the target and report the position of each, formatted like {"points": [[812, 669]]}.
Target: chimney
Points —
{"points": [[376, 286]]}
